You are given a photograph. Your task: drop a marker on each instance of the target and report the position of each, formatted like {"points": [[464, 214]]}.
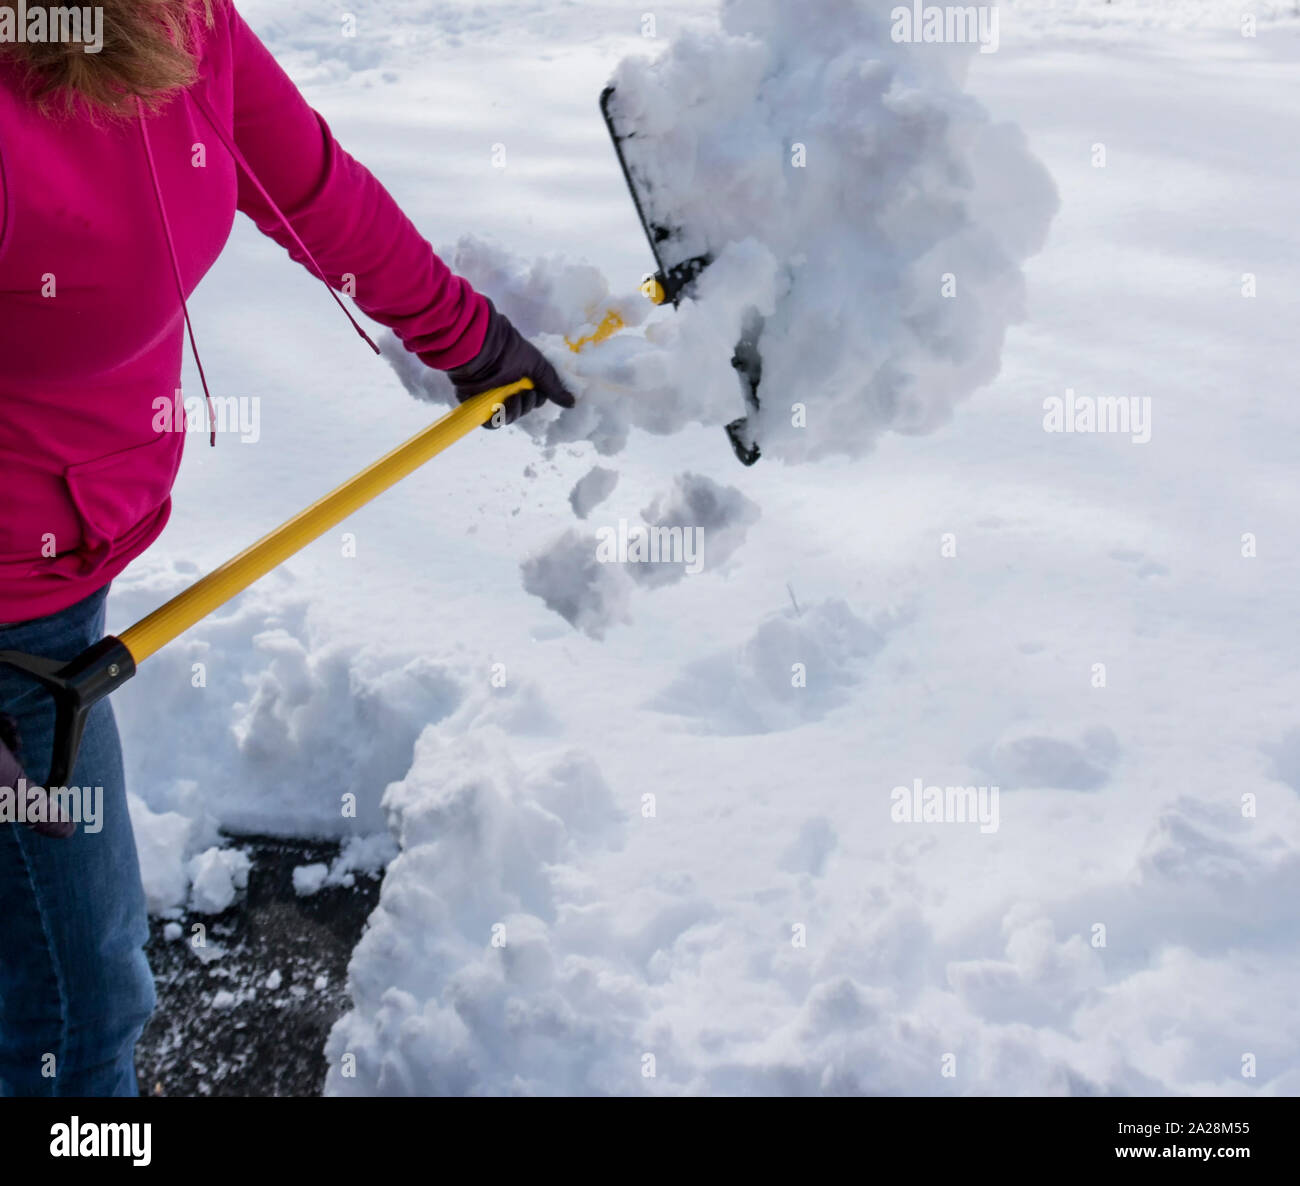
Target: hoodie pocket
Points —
{"points": [[119, 497]]}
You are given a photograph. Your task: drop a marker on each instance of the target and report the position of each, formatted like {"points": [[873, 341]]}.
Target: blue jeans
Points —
{"points": [[75, 987]]}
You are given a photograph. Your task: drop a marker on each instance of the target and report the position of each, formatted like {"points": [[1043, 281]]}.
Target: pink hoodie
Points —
{"points": [[100, 228]]}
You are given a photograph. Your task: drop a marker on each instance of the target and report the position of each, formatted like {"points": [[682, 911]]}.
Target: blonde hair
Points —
{"points": [[148, 53]]}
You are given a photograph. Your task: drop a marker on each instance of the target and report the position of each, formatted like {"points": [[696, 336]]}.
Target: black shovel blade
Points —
{"points": [[677, 269]]}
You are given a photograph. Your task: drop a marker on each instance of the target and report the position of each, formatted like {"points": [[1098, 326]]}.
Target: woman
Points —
{"points": [[120, 174]]}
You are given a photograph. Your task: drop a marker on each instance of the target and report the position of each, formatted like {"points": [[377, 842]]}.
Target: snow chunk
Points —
{"points": [[569, 578], [596, 485], [720, 517], [588, 578], [308, 879], [216, 875], [163, 841]]}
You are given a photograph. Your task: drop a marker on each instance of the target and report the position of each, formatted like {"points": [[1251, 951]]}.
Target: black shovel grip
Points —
{"points": [[76, 686]]}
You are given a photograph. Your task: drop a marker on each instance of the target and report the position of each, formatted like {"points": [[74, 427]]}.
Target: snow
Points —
{"points": [[718, 520], [892, 212], [215, 876], [572, 581], [281, 732], [590, 490], [309, 879], [164, 842], [637, 833], [762, 685], [359, 854], [1094, 19], [851, 195], [588, 577]]}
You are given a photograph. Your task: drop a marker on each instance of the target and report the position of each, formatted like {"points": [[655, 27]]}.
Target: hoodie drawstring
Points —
{"points": [[176, 268], [238, 156], [202, 104]]}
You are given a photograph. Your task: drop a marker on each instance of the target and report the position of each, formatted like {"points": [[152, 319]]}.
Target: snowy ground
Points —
{"points": [[769, 928]]}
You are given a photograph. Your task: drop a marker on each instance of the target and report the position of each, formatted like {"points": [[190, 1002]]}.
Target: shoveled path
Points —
{"points": [[220, 1028]]}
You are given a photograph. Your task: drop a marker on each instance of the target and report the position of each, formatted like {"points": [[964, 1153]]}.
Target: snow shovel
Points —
{"points": [[678, 265], [79, 684]]}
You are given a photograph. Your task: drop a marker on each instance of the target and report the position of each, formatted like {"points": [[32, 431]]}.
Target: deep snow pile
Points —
{"points": [[543, 929], [495, 965], [268, 731]]}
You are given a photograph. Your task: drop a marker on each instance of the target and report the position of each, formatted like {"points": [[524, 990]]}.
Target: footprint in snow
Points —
{"points": [[1043, 756], [794, 669]]}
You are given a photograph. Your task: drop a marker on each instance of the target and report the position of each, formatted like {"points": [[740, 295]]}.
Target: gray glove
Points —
{"points": [[506, 357]]}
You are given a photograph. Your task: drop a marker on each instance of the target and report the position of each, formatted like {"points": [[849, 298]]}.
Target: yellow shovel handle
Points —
{"points": [[214, 590]]}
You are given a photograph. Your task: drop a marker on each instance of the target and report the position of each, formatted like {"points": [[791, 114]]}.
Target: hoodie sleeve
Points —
{"points": [[346, 218]]}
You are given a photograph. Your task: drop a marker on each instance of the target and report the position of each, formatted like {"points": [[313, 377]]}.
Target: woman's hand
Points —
{"points": [[507, 356], [54, 824]]}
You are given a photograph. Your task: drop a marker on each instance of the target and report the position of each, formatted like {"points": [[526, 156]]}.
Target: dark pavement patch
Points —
{"points": [[225, 1025]]}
